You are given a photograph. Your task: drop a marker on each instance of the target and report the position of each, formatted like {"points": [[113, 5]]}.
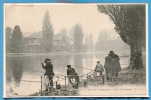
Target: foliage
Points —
{"points": [[8, 37], [77, 37], [89, 42], [129, 23], [16, 45], [47, 30]]}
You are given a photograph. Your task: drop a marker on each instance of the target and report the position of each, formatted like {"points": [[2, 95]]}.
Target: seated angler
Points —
{"points": [[99, 68], [72, 76]]}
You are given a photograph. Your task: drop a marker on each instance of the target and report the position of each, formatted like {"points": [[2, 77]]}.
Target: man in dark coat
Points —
{"points": [[112, 65], [116, 68], [48, 66], [72, 75], [108, 67]]}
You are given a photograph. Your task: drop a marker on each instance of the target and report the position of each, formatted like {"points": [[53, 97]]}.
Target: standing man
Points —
{"points": [[112, 65], [116, 67], [48, 66], [108, 66]]}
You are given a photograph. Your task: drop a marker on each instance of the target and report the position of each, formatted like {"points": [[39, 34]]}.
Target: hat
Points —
{"points": [[68, 66], [111, 52], [98, 61], [47, 60]]}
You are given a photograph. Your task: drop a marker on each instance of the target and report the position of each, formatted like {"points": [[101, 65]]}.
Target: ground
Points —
{"points": [[129, 83]]}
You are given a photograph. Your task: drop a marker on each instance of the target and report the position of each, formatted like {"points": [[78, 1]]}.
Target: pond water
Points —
{"points": [[25, 68]]}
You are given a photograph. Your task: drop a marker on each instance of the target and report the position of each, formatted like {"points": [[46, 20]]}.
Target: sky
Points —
{"points": [[62, 16]]}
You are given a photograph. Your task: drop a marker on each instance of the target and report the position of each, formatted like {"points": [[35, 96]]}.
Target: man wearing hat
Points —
{"points": [[112, 65], [48, 66], [72, 76]]}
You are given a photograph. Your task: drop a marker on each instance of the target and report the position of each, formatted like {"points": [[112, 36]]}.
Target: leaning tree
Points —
{"points": [[129, 23]]}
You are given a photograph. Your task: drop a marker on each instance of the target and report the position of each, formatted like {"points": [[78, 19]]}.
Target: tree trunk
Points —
{"points": [[136, 61]]}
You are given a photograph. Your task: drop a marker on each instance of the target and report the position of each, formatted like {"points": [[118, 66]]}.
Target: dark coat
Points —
{"points": [[72, 74], [48, 69], [112, 63], [71, 71], [108, 65], [116, 64]]}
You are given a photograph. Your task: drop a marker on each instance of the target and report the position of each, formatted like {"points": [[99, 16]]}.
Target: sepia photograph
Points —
{"points": [[75, 50]]}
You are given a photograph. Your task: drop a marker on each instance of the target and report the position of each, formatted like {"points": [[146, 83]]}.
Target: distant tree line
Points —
{"points": [[14, 40], [75, 41]]}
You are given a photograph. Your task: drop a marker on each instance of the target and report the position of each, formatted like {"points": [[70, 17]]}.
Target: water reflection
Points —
{"points": [[30, 65], [78, 63], [14, 69], [60, 62]]}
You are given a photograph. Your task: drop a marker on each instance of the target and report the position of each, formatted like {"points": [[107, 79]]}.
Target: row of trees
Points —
{"points": [[14, 40], [48, 35], [76, 41]]}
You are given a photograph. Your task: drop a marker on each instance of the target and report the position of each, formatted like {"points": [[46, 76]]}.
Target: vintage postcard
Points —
{"points": [[75, 50]]}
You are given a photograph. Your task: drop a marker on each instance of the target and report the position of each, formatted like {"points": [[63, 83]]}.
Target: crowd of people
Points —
{"points": [[110, 69]]}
